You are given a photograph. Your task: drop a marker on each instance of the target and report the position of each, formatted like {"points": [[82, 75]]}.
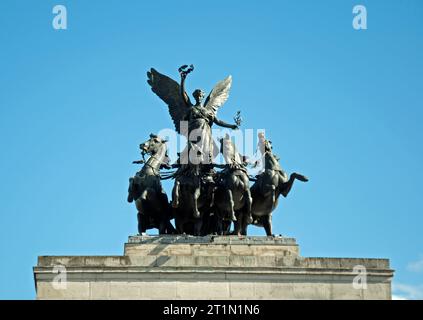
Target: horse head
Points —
{"points": [[155, 146]]}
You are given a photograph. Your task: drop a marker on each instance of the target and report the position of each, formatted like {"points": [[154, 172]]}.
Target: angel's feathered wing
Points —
{"points": [[170, 92], [218, 95]]}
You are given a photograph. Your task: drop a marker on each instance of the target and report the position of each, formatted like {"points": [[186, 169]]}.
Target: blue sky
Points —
{"points": [[342, 106]]}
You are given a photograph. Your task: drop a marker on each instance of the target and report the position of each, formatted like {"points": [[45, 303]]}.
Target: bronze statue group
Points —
{"points": [[207, 198]]}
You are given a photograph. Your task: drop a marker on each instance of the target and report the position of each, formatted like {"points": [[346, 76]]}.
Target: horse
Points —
{"points": [[269, 185], [233, 199], [146, 190], [192, 197]]}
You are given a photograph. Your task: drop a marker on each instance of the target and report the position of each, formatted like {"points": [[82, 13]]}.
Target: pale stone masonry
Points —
{"points": [[213, 267]]}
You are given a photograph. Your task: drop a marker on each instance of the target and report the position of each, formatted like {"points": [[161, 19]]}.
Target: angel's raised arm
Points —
{"points": [[183, 71], [183, 92]]}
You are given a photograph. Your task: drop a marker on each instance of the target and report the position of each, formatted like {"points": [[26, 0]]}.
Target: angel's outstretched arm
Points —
{"points": [[224, 124]]}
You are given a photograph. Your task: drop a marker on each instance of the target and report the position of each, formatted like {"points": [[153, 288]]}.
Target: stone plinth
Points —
{"points": [[213, 267]]}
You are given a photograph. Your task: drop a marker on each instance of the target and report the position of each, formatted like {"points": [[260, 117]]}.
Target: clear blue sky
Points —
{"points": [[340, 105]]}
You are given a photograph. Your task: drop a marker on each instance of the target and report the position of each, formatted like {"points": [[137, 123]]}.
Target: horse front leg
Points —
{"points": [[244, 229], [286, 186], [197, 227], [196, 195], [267, 224], [179, 224], [175, 194], [239, 224], [272, 191], [141, 223], [212, 193], [231, 205], [248, 205]]}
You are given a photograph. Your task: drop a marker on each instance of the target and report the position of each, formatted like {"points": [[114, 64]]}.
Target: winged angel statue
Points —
{"points": [[193, 120], [204, 201]]}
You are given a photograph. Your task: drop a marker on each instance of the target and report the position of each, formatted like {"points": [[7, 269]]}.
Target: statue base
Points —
{"points": [[212, 267]]}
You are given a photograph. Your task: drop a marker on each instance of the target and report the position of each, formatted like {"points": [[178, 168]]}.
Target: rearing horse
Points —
{"points": [[146, 189], [269, 185], [192, 198], [232, 197]]}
